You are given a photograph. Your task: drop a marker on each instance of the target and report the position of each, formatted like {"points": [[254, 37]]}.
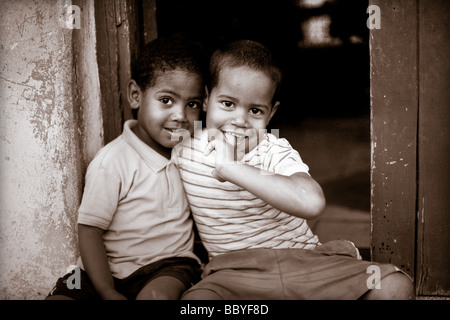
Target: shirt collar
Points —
{"points": [[153, 159]]}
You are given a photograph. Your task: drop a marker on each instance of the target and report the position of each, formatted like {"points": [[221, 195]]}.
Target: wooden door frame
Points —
{"points": [[400, 100], [410, 112], [394, 116], [122, 27]]}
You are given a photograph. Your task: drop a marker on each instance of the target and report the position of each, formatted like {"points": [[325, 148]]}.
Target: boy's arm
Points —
{"points": [[298, 194], [95, 262]]}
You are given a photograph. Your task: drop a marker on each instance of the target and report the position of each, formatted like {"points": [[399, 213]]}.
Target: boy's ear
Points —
{"points": [[205, 99], [274, 109], [134, 94]]}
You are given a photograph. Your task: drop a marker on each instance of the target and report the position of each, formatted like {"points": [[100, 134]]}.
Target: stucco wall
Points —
{"points": [[50, 128]]}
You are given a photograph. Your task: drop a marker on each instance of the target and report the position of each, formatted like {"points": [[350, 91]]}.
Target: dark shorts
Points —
{"points": [[331, 271], [186, 270]]}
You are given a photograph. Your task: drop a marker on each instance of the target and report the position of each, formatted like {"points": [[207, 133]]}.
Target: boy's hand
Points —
{"points": [[225, 155], [224, 151]]}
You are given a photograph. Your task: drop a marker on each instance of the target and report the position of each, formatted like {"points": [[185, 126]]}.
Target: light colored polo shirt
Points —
{"points": [[136, 196]]}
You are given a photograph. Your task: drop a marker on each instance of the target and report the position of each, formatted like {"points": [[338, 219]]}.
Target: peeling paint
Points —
{"points": [[42, 157]]}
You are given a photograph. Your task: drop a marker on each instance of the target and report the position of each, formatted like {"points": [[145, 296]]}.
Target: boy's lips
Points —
{"points": [[235, 137], [172, 130], [175, 133]]}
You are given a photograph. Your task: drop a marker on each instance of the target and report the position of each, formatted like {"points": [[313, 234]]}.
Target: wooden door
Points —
{"points": [[433, 201], [123, 27], [410, 102]]}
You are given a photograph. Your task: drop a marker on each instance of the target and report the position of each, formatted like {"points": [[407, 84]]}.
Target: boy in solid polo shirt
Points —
{"points": [[251, 196], [135, 233]]}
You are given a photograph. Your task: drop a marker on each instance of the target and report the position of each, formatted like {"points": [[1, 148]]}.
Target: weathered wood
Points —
{"points": [[107, 59], [433, 225], [119, 38], [128, 42], [394, 107]]}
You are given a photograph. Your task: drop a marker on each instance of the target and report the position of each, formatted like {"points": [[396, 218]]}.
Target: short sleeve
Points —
{"points": [[100, 197], [282, 159]]}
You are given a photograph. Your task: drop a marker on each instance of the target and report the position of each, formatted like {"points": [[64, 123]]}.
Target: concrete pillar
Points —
{"points": [[50, 128]]}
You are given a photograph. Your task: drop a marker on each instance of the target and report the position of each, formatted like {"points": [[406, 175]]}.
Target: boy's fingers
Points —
{"points": [[212, 145], [209, 147]]}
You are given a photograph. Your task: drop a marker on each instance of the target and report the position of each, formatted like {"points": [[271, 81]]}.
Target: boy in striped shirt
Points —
{"points": [[251, 196]]}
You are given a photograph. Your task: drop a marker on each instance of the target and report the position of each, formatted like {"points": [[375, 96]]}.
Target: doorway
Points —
{"points": [[323, 47], [377, 155]]}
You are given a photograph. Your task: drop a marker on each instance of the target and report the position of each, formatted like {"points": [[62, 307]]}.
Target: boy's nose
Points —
{"points": [[178, 114], [239, 119]]}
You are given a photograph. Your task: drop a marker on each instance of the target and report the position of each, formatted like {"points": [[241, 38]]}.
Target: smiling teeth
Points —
{"points": [[235, 136]]}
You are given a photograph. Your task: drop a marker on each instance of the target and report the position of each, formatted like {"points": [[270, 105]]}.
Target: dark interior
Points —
{"points": [[323, 48]]}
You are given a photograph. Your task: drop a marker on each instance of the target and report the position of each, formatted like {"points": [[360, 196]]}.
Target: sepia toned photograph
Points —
{"points": [[194, 150]]}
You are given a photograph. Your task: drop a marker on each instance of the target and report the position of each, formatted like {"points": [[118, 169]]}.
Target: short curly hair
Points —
{"points": [[167, 54], [248, 53]]}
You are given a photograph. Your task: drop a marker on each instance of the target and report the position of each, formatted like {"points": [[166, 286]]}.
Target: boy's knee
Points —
{"points": [[402, 287], [152, 295], [395, 286], [201, 294]]}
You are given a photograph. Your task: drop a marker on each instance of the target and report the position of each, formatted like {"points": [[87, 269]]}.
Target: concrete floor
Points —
{"points": [[337, 151]]}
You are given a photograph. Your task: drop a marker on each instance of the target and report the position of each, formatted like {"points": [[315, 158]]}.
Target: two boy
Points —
{"points": [[249, 192]]}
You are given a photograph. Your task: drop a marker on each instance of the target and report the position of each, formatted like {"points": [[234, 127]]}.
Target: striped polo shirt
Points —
{"points": [[230, 218]]}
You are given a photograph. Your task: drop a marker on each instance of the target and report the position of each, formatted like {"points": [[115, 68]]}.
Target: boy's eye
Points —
{"points": [[255, 111], [165, 100], [193, 105], [227, 104]]}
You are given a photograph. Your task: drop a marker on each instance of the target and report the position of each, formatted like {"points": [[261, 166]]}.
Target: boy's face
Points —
{"points": [[172, 103], [240, 106]]}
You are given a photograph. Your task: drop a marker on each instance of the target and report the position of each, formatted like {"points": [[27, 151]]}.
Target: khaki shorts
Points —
{"points": [[331, 271]]}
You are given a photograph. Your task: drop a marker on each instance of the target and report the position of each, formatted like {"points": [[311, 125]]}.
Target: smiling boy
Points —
{"points": [[251, 196], [134, 226]]}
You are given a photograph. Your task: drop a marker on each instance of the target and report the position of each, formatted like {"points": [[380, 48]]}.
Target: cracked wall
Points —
{"points": [[50, 128]]}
